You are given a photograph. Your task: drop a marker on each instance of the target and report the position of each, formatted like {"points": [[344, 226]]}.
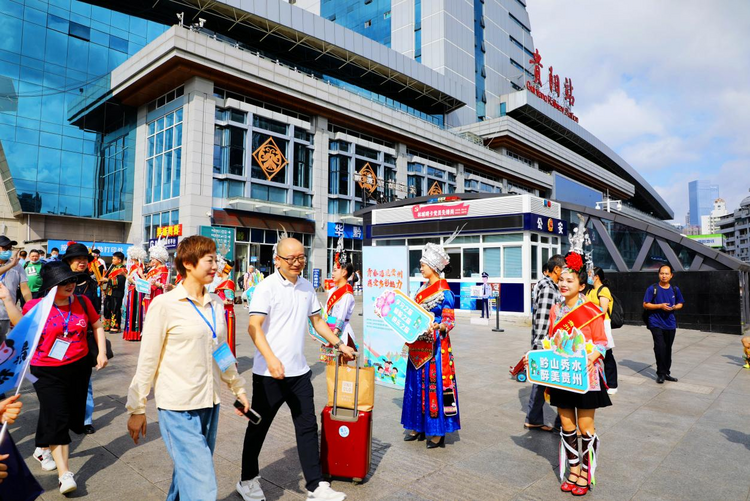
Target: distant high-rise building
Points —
{"points": [[735, 227], [710, 223], [701, 195]]}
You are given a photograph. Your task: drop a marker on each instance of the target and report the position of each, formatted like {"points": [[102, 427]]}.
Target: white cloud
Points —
{"points": [[660, 153], [664, 83], [620, 119]]}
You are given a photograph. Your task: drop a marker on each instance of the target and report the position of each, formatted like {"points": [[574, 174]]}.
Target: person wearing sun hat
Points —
{"points": [[431, 394], [61, 365]]}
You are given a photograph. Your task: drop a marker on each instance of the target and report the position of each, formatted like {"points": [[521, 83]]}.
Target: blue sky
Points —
{"points": [[665, 83]]}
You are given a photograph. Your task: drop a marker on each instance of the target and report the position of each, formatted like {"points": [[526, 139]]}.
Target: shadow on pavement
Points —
{"points": [[639, 367], [737, 437]]}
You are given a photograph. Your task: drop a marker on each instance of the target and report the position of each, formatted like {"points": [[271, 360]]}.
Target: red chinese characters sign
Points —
{"points": [[553, 83], [439, 210], [384, 278]]}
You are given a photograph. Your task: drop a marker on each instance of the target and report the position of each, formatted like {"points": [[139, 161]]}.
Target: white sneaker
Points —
{"points": [[324, 492], [250, 490], [612, 391], [44, 456], [67, 483]]}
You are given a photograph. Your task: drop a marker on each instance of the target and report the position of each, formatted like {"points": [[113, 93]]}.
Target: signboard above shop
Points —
{"points": [[345, 230], [169, 242], [105, 248]]}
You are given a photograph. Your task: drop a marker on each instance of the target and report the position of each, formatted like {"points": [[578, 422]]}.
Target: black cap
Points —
{"points": [[5, 241], [56, 272], [77, 250], [485, 274]]}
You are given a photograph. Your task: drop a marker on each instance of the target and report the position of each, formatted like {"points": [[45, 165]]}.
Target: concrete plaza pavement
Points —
{"points": [[677, 441]]}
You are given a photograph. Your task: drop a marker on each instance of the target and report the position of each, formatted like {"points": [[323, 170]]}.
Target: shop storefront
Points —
{"points": [[508, 237], [255, 235]]}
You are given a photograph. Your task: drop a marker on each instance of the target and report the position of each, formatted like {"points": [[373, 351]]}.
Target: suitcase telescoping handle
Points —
{"points": [[336, 388]]}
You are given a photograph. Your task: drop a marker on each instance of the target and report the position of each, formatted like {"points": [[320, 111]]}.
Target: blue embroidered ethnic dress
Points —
{"points": [[431, 393]]}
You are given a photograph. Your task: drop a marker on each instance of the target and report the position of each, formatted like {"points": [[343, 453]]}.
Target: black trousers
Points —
{"points": [[610, 369], [113, 311], [268, 396], [485, 307], [663, 340], [62, 393]]}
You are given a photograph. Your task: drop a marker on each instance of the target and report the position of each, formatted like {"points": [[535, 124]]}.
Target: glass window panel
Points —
{"points": [[164, 218], [69, 205], [175, 215], [48, 203], [178, 115], [600, 254], [269, 125], [118, 44], [169, 120], [492, 261], [470, 262], [508, 237], [684, 254], [256, 236], [167, 186], [168, 139], [627, 240], [534, 262], [655, 258], [78, 54], [160, 124], [176, 174], [158, 171], [178, 135], [218, 189], [236, 189], [57, 46], [34, 37], [149, 180], [79, 31], [97, 59], [159, 142], [512, 267]]}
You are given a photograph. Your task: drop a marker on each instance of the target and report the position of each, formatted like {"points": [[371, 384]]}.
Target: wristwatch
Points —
{"points": [[336, 346]]}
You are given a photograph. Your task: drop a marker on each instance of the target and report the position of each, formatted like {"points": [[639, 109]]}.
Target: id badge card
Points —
{"points": [[223, 357], [59, 349]]}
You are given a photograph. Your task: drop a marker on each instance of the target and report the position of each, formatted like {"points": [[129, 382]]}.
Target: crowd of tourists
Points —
{"points": [[189, 321]]}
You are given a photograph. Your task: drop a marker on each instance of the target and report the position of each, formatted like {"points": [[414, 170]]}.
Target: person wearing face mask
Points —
{"points": [[14, 279], [54, 255]]}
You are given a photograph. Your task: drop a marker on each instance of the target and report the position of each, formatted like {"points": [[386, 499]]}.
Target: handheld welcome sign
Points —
{"points": [[142, 286], [402, 314], [563, 363]]}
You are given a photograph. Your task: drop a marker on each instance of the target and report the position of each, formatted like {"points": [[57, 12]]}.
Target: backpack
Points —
{"points": [[647, 313], [617, 317]]}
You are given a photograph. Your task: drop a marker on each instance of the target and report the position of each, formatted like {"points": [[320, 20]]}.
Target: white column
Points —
{"points": [[197, 155], [320, 198]]}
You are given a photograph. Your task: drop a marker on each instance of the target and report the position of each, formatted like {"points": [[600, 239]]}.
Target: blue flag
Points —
{"points": [[20, 345], [20, 485]]}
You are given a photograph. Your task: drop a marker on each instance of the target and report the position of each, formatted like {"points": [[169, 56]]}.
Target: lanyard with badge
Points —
{"points": [[222, 355], [60, 346]]}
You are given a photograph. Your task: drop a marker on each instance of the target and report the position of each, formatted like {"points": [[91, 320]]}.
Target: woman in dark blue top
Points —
{"points": [[661, 301]]}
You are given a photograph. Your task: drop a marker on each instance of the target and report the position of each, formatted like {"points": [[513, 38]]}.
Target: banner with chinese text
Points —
{"points": [[567, 372], [403, 315], [383, 268]]}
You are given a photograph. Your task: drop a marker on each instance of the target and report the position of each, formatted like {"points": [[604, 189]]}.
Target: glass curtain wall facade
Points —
{"points": [[701, 195], [371, 18], [50, 52]]}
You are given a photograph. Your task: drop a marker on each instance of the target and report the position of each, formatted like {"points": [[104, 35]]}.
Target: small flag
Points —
{"points": [[20, 484], [20, 345]]}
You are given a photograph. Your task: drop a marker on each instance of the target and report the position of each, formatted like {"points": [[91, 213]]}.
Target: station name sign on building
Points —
{"points": [[553, 83]]}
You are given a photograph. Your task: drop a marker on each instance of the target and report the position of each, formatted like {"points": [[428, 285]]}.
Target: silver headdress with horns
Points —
{"points": [[136, 252], [159, 251], [279, 237], [434, 255], [340, 256]]}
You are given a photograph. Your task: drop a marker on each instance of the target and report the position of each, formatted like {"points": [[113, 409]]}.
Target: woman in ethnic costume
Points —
{"points": [[577, 410], [158, 273], [340, 305], [430, 395], [225, 290], [134, 307]]}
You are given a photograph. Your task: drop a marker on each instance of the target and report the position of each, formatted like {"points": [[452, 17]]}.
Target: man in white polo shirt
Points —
{"points": [[279, 313]]}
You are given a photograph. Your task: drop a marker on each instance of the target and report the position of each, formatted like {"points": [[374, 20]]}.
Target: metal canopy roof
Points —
{"points": [[535, 113], [298, 37]]}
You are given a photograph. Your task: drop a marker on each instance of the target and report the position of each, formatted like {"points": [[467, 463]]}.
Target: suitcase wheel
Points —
{"points": [[356, 481], [521, 377]]}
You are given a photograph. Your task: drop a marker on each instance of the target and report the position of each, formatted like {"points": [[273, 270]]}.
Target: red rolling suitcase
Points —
{"points": [[346, 438]]}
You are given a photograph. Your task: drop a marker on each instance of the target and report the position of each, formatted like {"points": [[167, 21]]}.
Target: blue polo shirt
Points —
{"points": [[661, 319]]}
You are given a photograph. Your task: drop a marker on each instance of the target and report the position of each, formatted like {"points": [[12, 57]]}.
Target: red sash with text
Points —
{"points": [[579, 317], [337, 295]]}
